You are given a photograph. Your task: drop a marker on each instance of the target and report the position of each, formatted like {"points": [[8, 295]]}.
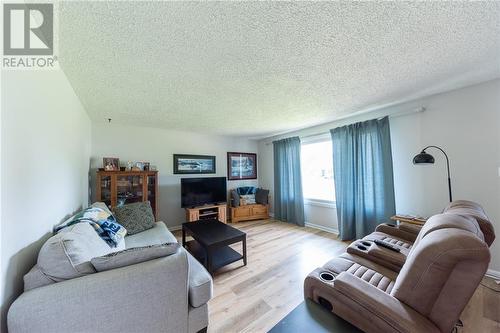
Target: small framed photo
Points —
{"points": [[193, 164], [241, 166], [111, 164], [138, 166]]}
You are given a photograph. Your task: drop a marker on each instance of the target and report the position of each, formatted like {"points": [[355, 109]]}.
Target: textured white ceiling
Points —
{"points": [[258, 68]]}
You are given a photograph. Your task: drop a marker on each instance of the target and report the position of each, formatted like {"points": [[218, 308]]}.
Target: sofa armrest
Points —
{"points": [[382, 305], [151, 296], [200, 283], [396, 231]]}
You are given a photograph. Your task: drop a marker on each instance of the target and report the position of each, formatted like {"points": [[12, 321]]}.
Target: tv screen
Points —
{"points": [[203, 191]]}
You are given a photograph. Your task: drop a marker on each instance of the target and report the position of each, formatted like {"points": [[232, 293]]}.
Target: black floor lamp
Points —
{"points": [[425, 158]]}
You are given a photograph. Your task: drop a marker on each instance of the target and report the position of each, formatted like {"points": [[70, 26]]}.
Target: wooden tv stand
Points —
{"points": [[207, 212]]}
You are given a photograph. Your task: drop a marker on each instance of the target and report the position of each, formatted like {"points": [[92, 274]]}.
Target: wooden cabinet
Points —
{"points": [[249, 212], [116, 188], [206, 212]]}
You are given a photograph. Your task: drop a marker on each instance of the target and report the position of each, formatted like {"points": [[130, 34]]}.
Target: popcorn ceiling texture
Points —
{"points": [[259, 68]]}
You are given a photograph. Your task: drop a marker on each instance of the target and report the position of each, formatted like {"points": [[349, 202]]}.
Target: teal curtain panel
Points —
{"points": [[364, 183], [288, 198]]}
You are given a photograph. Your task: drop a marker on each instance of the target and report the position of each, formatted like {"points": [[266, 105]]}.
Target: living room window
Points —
{"points": [[317, 170]]}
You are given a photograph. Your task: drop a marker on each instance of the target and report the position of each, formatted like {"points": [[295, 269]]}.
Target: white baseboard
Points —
{"points": [[175, 228], [495, 275], [322, 227]]}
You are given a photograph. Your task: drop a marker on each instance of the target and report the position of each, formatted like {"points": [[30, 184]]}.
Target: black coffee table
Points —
{"points": [[211, 243]]}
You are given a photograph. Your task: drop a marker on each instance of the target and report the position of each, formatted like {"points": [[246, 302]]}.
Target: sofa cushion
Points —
{"points": [[135, 217], [200, 283], [67, 254], [133, 256], [159, 234], [262, 196], [35, 278]]}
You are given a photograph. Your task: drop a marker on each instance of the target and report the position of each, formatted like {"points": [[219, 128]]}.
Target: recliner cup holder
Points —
{"points": [[326, 276], [361, 247], [366, 243]]}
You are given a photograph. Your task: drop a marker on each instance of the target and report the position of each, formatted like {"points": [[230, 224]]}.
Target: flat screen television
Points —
{"points": [[203, 191]]}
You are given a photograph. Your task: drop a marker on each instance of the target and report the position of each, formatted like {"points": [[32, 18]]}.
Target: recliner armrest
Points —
{"points": [[383, 305], [377, 254], [396, 231], [410, 227]]}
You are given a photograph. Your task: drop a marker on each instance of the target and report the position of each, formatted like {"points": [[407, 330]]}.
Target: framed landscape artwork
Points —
{"points": [[193, 164], [241, 166]]}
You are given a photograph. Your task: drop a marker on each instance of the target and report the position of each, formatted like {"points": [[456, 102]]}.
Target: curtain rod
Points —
{"points": [[396, 114]]}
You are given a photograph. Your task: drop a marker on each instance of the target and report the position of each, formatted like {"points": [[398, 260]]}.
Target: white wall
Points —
{"points": [[464, 122], [157, 146], [321, 216], [45, 160]]}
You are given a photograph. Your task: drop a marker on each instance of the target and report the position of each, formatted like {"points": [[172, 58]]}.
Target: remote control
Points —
{"points": [[386, 245]]}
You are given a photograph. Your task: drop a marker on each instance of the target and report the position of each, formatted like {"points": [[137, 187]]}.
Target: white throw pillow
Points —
{"points": [[247, 199]]}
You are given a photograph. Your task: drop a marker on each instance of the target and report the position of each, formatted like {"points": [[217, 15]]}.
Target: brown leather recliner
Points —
{"points": [[443, 268], [403, 236]]}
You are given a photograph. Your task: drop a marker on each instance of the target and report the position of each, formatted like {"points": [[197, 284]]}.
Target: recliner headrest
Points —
{"points": [[451, 221], [474, 210]]}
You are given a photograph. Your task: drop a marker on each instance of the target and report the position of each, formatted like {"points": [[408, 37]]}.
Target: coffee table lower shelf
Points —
{"points": [[221, 256]]}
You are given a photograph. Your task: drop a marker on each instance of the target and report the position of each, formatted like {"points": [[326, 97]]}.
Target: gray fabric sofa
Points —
{"points": [[168, 294]]}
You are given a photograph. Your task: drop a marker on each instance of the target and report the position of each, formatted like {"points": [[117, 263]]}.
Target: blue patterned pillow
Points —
{"points": [[245, 190]]}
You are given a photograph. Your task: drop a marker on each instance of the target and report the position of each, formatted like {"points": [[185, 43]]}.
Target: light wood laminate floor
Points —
{"points": [[255, 297]]}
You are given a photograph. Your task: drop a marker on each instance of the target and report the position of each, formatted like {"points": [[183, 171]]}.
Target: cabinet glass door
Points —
{"points": [[152, 191], [106, 190], [129, 189]]}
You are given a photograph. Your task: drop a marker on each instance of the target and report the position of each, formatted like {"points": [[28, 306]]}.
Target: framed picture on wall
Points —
{"points": [[193, 164], [241, 166]]}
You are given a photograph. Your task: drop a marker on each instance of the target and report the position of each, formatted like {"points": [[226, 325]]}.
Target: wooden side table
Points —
{"points": [[409, 219]]}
